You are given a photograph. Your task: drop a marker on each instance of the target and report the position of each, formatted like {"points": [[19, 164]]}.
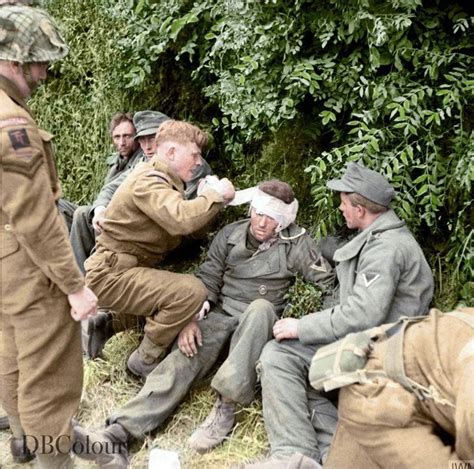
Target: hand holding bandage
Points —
{"points": [[222, 186]]}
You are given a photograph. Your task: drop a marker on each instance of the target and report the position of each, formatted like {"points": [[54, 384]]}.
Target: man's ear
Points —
{"points": [[360, 211], [170, 153], [15, 67]]}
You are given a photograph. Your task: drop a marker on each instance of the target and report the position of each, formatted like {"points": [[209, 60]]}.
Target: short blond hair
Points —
{"points": [[372, 207], [181, 132]]}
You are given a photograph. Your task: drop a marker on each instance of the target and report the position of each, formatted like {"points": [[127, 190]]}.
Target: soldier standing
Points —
{"points": [[43, 293]]}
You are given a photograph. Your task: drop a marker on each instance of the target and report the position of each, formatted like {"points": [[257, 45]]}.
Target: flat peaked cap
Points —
{"points": [[363, 181], [147, 122]]}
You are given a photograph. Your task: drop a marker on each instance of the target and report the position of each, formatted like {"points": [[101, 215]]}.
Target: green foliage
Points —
{"points": [[303, 298], [287, 87]]}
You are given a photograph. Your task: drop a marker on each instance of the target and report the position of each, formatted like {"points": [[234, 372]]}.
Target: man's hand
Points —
{"points": [[83, 304], [223, 186], [98, 219], [203, 311], [189, 339], [286, 328]]}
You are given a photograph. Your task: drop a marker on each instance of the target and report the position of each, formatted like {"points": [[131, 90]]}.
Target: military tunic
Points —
{"points": [[41, 357], [382, 275], [382, 423], [82, 233], [245, 315], [146, 219]]}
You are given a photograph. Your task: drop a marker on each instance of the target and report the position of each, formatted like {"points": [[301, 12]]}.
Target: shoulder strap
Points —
{"points": [[395, 368]]}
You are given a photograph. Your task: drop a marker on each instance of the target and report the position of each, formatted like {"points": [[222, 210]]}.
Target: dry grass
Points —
{"points": [[107, 386]]}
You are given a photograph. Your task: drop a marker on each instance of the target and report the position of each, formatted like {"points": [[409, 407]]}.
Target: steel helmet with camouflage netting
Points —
{"points": [[29, 35]]}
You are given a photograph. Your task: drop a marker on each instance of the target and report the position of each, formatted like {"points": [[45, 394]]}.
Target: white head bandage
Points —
{"points": [[284, 214]]}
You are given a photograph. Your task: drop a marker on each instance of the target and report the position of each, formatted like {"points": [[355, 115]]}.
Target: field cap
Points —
{"points": [[370, 184], [147, 122]]}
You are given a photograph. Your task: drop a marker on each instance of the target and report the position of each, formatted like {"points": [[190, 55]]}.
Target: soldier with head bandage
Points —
{"points": [[283, 213]]}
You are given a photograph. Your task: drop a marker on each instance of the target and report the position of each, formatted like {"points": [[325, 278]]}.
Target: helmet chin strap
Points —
{"points": [[32, 84]]}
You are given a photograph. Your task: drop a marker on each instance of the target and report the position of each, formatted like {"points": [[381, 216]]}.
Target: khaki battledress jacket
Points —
{"points": [[146, 219], [148, 215], [382, 273], [30, 222]]}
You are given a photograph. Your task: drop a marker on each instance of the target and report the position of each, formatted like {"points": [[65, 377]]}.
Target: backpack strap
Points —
{"points": [[395, 368]]}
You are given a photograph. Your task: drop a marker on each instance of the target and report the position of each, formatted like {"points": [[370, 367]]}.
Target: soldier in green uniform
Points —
{"points": [[43, 292], [247, 273], [146, 124], [146, 219], [122, 131], [382, 275]]}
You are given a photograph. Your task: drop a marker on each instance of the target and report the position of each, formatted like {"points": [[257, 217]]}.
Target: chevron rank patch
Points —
{"points": [[318, 263], [369, 278]]}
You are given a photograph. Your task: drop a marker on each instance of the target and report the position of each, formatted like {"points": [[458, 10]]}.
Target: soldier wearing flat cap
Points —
{"points": [[382, 275]]}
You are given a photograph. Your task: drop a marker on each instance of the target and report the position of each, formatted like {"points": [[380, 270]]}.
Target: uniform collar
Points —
{"points": [[160, 165], [12, 90], [386, 221]]}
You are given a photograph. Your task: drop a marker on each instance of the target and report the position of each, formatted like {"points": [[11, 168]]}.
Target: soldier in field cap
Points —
{"points": [[365, 182], [382, 275]]}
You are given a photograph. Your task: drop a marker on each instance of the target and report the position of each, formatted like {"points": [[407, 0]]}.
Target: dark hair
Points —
{"points": [[279, 189], [118, 118], [372, 207]]}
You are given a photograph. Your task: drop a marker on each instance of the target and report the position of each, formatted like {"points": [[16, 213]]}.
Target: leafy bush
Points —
{"points": [[292, 90]]}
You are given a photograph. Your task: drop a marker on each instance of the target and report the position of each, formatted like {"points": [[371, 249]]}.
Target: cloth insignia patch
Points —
{"points": [[369, 278], [19, 139], [12, 121], [318, 264]]}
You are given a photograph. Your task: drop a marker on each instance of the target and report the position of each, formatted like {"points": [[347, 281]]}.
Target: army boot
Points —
{"points": [[99, 330], [145, 358], [20, 452], [215, 428], [107, 448]]}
